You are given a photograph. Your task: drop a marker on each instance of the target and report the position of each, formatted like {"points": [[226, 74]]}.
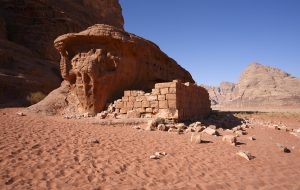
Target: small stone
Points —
{"points": [[21, 114], [283, 148], [136, 127], [199, 129], [87, 114], [212, 127], [245, 155], [237, 128], [196, 138], [283, 128], [230, 139], [152, 124], [161, 127], [210, 131], [274, 127], [102, 115], [160, 154], [171, 130], [240, 133], [189, 130], [154, 157], [252, 138], [94, 140], [181, 126]]}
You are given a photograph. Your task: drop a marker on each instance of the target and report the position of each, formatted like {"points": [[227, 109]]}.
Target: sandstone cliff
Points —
{"points": [[259, 87], [28, 60], [99, 63]]}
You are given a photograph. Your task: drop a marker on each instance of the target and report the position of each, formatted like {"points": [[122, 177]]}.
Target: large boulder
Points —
{"points": [[101, 62]]}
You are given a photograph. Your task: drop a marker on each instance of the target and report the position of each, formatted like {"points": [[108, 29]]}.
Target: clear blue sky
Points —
{"points": [[215, 40]]}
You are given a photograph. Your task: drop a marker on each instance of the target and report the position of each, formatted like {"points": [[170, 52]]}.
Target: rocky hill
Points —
{"points": [[259, 87], [28, 60]]}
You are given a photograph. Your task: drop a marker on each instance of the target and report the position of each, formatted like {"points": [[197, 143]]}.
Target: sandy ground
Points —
{"points": [[40, 152]]}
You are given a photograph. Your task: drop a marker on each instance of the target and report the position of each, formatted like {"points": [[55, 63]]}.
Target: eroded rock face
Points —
{"points": [[103, 61], [259, 87], [28, 60]]}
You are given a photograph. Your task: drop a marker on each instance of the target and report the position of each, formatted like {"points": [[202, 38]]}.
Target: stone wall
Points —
{"points": [[171, 100]]}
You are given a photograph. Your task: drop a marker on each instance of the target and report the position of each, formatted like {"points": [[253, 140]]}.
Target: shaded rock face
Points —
{"points": [[28, 60], [103, 61], [259, 86], [35, 24]]}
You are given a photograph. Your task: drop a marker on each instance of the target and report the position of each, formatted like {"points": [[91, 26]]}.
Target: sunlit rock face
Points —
{"points": [[103, 61]]}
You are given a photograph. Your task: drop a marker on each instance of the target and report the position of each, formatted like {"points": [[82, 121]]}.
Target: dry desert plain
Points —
{"points": [[52, 152]]}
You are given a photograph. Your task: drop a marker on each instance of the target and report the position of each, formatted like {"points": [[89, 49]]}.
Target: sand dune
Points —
{"points": [[40, 152]]}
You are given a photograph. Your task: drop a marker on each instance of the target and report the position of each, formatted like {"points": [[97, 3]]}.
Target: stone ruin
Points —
{"points": [[100, 63], [174, 100]]}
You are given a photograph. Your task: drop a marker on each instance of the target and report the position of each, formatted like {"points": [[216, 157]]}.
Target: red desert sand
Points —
{"points": [[43, 152]]}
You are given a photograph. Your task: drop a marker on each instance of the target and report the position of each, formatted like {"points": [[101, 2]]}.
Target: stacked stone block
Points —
{"points": [[172, 100]]}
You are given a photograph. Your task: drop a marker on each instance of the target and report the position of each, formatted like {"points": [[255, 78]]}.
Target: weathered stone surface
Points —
{"points": [[210, 131], [260, 87], [196, 138], [230, 139], [162, 127], [28, 60], [103, 61], [245, 154]]}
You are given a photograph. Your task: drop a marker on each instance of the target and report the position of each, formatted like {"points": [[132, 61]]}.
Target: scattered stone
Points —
{"points": [[252, 138], [180, 126], [245, 155], [136, 127], [210, 131], [195, 124], [244, 126], [162, 127], [189, 130], [152, 124], [283, 148], [230, 139], [154, 157], [240, 133], [212, 127], [102, 115], [21, 114], [172, 130], [158, 155], [274, 127], [199, 129], [94, 140], [87, 114], [196, 138], [237, 128], [283, 128]]}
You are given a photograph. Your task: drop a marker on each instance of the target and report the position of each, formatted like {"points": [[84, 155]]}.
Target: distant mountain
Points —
{"points": [[259, 87]]}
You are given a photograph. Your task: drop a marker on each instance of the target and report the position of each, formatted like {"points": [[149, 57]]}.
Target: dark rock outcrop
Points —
{"points": [[28, 60]]}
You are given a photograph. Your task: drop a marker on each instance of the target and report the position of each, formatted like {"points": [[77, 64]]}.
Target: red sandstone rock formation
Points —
{"points": [[28, 60], [259, 87], [103, 61]]}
